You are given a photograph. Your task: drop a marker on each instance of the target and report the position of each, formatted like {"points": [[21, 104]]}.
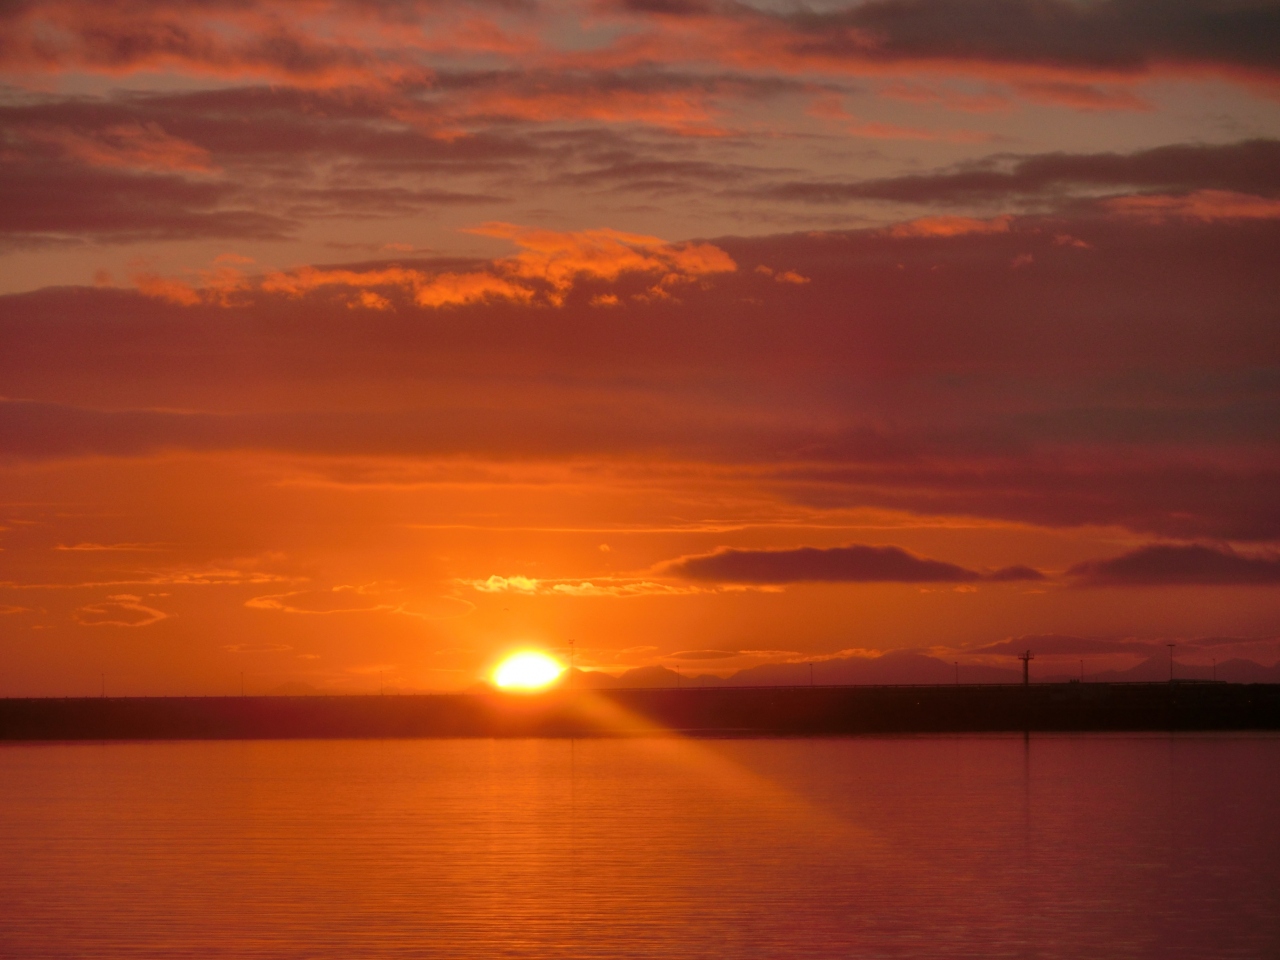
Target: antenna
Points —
{"points": [[1026, 659]]}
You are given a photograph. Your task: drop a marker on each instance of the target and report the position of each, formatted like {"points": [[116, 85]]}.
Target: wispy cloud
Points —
{"points": [[593, 587], [119, 610]]}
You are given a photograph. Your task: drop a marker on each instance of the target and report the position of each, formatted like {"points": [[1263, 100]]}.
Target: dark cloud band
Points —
{"points": [[1180, 565], [851, 564]]}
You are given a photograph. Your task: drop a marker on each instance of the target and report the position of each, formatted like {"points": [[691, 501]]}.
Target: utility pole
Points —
{"points": [[570, 664], [677, 676], [242, 683], [104, 685], [811, 674], [1082, 671], [1170, 646], [957, 673], [1215, 669], [1026, 659]]}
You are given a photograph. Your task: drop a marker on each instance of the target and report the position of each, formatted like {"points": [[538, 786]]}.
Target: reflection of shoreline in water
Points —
{"points": [[733, 711]]}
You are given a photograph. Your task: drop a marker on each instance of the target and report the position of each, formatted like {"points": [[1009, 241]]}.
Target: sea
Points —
{"points": [[1051, 846]]}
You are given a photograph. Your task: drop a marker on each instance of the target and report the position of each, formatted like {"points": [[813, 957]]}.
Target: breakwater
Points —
{"points": [[725, 711]]}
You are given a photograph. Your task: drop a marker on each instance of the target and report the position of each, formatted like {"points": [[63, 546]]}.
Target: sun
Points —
{"points": [[528, 670]]}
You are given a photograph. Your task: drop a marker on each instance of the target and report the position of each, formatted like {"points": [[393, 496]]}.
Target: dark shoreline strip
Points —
{"points": [[758, 711]]}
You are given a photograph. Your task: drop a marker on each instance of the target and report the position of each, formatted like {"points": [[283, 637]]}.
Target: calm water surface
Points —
{"points": [[1090, 846]]}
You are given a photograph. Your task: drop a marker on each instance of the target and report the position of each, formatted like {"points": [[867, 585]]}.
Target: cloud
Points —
{"points": [[948, 227], [856, 563], [363, 598], [497, 584], [343, 599], [313, 46], [129, 146], [119, 610], [110, 547], [560, 259], [1059, 645], [595, 587], [783, 276], [1179, 565], [43, 199], [548, 267], [201, 577], [1250, 168], [678, 102], [1204, 205], [1045, 44], [830, 106], [1052, 46], [1109, 36], [918, 375]]}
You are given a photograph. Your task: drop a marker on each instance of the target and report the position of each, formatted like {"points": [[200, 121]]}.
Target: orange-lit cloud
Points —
{"points": [[545, 271], [595, 587], [1205, 205], [949, 227]]}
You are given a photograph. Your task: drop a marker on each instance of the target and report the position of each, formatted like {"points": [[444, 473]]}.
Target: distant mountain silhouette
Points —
{"points": [[1157, 668], [890, 668], [655, 676], [907, 667], [895, 667]]}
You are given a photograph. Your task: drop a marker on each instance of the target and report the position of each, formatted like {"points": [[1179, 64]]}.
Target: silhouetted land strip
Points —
{"points": [[750, 711]]}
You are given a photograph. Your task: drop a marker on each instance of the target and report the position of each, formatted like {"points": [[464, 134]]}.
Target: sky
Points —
{"points": [[358, 343]]}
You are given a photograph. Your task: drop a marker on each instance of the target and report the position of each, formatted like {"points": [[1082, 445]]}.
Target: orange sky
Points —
{"points": [[358, 343]]}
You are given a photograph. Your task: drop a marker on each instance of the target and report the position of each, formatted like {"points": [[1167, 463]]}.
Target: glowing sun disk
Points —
{"points": [[529, 670]]}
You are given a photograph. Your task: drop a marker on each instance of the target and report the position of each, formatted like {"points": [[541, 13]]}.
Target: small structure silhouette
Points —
{"points": [[1026, 659]]}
